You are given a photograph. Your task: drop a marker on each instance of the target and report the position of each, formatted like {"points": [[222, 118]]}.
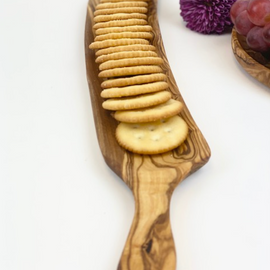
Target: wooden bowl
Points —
{"points": [[255, 63]]}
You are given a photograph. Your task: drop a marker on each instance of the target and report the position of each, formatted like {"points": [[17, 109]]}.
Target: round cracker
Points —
{"points": [[123, 55], [119, 16], [117, 42], [138, 61], [113, 1], [132, 28], [144, 35], [129, 71], [122, 4], [168, 109], [140, 79], [110, 11], [126, 48], [119, 23], [136, 102], [154, 137], [134, 90]]}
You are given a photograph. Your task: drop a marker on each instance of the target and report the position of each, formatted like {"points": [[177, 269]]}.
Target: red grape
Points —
{"points": [[266, 33], [251, 19], [255, 39], [259, 11], [237, 8], [242, 23]]}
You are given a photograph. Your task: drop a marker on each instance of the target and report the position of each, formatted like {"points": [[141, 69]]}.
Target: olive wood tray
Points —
{"points": [[255, 63], [151, 178]]}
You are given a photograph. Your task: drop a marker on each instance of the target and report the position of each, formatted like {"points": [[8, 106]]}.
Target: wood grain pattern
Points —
{"points": [[153, 178], [255, 63]]}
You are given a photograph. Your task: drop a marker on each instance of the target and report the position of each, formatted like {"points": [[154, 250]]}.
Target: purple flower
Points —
{"points": [[207, 16]]}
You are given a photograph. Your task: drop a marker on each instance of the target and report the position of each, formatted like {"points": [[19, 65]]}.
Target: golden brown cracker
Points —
{"points": [[122, 55], [119, 16], [110, 11], [120, 23], [126, 48], [127, 62], [132, 28], [121, 4], [140, 79], [168, 109], [117, 42], [134, 90], [129, 71], [114, 1], [154, 137], [144, 35], [136, 102]]}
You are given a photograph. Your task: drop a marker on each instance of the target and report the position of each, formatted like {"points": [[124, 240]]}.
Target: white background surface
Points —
{"points": [[62, 208]]}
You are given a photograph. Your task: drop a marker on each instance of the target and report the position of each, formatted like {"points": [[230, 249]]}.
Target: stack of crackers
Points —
{"points": [[134, 84]]}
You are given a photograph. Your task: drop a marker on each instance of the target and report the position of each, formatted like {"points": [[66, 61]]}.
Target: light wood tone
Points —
{"points": [[255, 63], [152, 179]]}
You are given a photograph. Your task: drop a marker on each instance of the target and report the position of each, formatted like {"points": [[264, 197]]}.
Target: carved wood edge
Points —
{"points": [[252, 62]]}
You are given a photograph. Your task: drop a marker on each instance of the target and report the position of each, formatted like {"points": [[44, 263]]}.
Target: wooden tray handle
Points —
{"points": [[150, 244]]}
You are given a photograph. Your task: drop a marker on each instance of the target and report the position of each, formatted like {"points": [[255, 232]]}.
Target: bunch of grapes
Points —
{"points": [[251, 19]]}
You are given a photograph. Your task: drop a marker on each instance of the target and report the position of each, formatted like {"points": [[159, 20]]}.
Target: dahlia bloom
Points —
{"points": [[207, 16]]}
